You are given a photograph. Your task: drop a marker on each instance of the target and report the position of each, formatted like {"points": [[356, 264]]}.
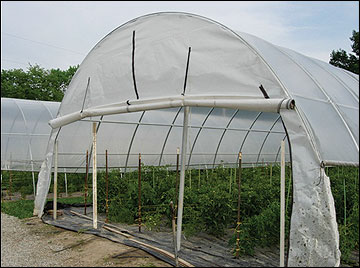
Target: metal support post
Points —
{"points": [[94, 179], [86, 179], [182, 176], [55, 180], [139, 187], [107, 187], [282, 205], [66, 188]]}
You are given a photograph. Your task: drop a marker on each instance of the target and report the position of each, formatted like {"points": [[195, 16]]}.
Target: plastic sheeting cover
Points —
{"points": [[154, 49]]}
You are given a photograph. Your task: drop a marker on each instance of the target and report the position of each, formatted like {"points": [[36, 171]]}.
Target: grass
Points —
{"points": [[21, 209], [24, 208]]}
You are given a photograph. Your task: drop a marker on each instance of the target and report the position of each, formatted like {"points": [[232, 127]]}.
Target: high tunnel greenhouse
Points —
{"points": [[175, 80]]}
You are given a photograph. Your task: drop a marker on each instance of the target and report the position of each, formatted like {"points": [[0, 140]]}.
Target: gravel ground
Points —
{"points": [[20, 247], [31, 243]]}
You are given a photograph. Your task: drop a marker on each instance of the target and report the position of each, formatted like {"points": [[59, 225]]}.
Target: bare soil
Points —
{"points": [[89, 250]]}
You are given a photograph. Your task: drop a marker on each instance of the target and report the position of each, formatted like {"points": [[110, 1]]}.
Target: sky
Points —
{"points": [[59, 34]]}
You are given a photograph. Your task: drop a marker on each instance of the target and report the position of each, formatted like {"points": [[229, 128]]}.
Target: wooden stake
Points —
{"points": [[344, 203], [94, 179], [282, 205], [86, 179], [174, 233], [177, 175], [238, 211], [139, 186], [235, 175], [230, 180], [207, 174], [107, 187]]}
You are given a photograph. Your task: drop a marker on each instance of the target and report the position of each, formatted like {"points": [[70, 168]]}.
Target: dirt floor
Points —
{"points": [[90, 250], [87, 250]]}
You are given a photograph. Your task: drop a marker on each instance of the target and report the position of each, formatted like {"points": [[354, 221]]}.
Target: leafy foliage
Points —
{"points": [[210, 201], [342, 59], [20, 181], [36, 83], [24, 208], [345, 189]]}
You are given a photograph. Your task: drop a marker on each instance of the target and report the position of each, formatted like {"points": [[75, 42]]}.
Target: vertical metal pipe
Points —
{"points": [[55, 180], [199, 178], [10, 184], [189, 172], [282, 205], [94, 178], [182, 176], [66, 188], [238, 210], [107, 186], [177, 175], [33, 179], [139, 187], [86, 179]]}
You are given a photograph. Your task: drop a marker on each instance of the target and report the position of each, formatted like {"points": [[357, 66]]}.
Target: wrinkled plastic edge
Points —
{"points": [[44, 177], [314, 235]]}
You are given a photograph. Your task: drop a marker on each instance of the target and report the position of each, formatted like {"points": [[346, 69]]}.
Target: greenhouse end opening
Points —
{"points": [[171, 80]]}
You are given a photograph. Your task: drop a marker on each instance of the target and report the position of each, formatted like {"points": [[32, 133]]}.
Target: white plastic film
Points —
{"points": [[314, 236]]}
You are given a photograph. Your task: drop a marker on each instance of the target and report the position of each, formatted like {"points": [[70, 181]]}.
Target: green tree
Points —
{"points": [[36, 83], [342, 59]]}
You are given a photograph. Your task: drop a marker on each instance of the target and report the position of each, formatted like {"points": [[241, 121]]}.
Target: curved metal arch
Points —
{"points": [[247, 134], [12, 125], [51, 116], [336, 78], [352, 76], [326, 95], [27, 130], [197, 135], [132, 140], [167, 136], [222, 136], [267, 135], [47, 108]]}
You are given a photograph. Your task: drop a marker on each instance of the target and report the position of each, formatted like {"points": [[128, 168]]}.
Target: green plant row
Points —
{"points": [[210, 201], [22, 182]]}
